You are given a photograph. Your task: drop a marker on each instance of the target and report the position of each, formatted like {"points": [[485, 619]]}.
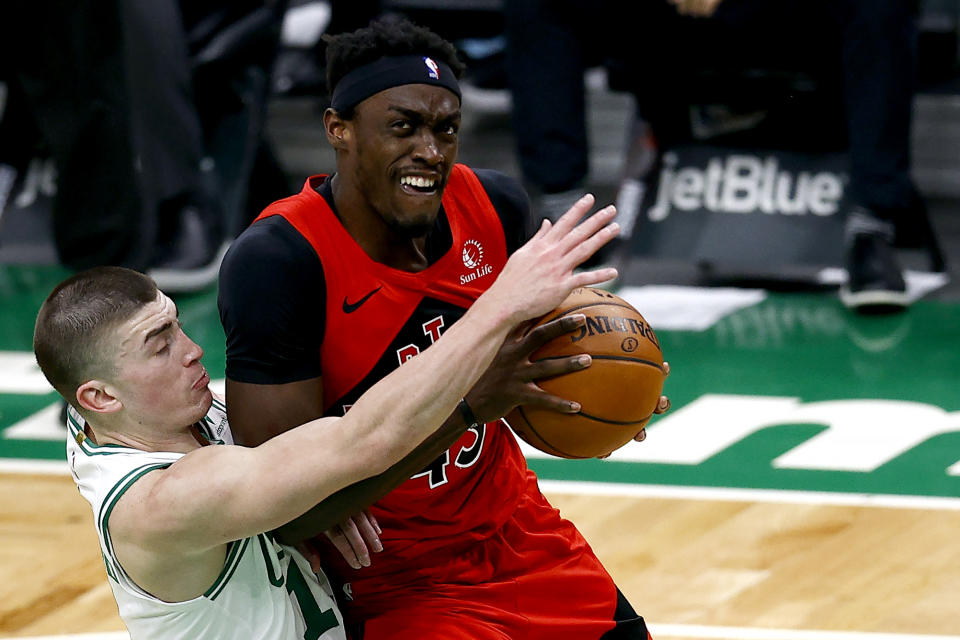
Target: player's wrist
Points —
{"points": [[466, 412], [498, 312]]}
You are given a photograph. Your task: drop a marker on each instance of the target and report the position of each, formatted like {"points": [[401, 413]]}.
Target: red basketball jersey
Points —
{"points": [[377, 317]]}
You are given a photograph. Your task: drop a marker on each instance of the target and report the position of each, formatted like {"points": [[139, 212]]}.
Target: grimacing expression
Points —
{"points": [[159, 377], [406, 140]]}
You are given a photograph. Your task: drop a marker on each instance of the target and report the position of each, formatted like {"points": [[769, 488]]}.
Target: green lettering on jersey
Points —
{"points": [[318, 622], [276, 579]]}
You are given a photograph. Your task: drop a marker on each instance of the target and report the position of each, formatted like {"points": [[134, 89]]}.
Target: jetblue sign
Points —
{"points": [[753, 212], [739, 183]]}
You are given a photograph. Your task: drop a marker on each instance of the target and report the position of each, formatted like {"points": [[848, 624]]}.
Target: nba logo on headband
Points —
{"points": [[391, 71], [432, 69]]}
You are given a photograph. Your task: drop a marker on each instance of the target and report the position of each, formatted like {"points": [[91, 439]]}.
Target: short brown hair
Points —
{"points": [[68, 339]]}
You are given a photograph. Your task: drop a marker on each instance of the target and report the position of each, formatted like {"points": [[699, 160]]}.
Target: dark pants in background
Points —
{"points": [[866, 49], [108, 83], [154, 114]]}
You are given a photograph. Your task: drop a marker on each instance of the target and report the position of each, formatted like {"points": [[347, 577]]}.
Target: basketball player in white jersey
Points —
{"points": [[184, 527]]}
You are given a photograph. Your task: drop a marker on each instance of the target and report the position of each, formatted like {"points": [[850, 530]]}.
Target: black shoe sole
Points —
{"points": [[875, 301]]}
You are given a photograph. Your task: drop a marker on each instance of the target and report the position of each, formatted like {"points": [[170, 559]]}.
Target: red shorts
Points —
{"points": [[535, 578]]}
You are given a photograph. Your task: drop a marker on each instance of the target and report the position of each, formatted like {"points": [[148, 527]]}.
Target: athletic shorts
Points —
{"points": [[536, 578]]}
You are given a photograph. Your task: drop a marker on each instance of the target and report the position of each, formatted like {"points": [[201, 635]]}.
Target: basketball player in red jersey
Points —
{"points": [[331, 289]]}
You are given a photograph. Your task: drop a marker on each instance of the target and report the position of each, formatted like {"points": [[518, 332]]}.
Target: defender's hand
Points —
{"points": [[355, 537], [511, 378], [541, 273]]}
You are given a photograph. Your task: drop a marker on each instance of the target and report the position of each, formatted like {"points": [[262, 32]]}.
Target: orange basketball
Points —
{"points": [[617, 392]]}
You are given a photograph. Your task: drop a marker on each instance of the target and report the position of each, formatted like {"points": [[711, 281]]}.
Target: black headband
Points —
{"points": [[392, 71]]}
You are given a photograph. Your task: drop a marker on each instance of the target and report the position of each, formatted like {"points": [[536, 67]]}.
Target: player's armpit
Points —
{"points": [[258, 412]]}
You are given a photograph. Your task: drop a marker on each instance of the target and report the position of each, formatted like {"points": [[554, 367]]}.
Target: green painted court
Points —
{"points": [[784, 391]]}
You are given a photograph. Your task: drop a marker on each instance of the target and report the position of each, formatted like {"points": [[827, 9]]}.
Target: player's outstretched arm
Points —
{"points": [[507, 382], [248, 491]]}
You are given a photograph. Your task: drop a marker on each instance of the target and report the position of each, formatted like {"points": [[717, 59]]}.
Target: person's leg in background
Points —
{"points": [[109, 86], [546, 60], [231, 49], [72, 71], [878, 54], [867, 47], [651, 54], [169, 142]]}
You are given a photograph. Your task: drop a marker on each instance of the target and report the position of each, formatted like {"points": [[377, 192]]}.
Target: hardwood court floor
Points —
{"points": [[696, 562], [52, 578], [780, 566]]}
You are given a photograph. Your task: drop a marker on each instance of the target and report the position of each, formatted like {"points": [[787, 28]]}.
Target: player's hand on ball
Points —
{"points": [[355, 537], [619, 393], [540, 274], [510, 379], [663, 405]]}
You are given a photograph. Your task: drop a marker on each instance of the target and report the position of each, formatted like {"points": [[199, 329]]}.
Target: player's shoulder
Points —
{"points": [[510, 201], [105, 472], [292, 203], [267, 253], [272, 238], [502, 186], [272, 291]]}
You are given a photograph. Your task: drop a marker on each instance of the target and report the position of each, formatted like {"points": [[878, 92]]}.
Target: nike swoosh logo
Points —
{"points": [[350, 307]]}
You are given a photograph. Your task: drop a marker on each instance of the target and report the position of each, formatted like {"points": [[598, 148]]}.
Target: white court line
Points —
{"points": [[662, 631], [750, 495], [37, 467], [754, 633], [721, 494]]}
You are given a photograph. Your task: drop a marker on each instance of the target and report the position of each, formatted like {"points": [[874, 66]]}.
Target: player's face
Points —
{"points": [[405, 141], [160, 379]]}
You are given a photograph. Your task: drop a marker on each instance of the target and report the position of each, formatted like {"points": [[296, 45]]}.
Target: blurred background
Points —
{"points": [[806, 483], [150, 134]]}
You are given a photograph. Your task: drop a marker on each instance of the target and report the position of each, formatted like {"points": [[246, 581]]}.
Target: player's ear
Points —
{"points": [[336, 128], [96, 396]]}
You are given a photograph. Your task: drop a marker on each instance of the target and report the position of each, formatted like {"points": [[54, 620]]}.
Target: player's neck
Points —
{"points": [[405, 254], [136, 437], [374, 236]]}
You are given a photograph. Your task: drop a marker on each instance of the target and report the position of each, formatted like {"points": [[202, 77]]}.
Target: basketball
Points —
{"points": [[617, 393]]}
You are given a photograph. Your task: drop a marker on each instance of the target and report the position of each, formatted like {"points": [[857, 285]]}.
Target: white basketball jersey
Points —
{"points": [[265, 591]]}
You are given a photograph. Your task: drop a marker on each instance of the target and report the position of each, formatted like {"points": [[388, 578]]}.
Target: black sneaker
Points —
{"points": [[875, 283]]}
